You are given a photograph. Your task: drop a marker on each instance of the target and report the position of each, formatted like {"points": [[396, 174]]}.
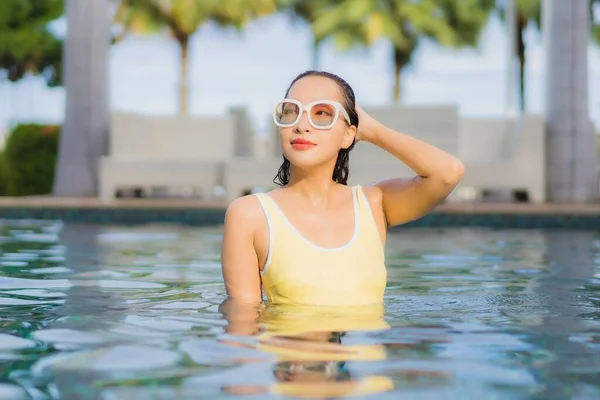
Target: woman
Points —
{"points": [[316, 241]]}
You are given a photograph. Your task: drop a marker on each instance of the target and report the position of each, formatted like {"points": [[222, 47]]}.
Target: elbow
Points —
{"points": [[454, 173]]}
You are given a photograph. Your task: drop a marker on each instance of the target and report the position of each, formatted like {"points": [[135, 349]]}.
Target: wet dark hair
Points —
{"points": [[341, 170]]}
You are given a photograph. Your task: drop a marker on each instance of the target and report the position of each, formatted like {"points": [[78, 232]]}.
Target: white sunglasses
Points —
{"points": [[322, 114]]}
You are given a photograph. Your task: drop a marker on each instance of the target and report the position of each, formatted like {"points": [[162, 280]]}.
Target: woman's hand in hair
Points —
{"points": [[367, 125]]}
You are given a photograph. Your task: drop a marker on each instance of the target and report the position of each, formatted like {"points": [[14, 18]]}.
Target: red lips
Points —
{"points": [[303, 142]]}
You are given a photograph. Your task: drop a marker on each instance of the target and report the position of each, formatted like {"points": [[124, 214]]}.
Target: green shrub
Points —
{"points": [[30, 159]]}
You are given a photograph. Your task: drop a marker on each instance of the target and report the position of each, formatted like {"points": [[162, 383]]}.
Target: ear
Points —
{"points": [[349, 135]]}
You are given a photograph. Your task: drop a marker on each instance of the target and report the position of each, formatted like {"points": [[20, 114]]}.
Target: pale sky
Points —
{"points": [[255, 67]]}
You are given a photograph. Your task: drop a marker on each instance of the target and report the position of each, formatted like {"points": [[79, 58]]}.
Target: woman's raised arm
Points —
{"points": [[438, 172]]}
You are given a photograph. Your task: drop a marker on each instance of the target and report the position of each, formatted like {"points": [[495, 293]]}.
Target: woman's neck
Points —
{"points": [[314, 187]]}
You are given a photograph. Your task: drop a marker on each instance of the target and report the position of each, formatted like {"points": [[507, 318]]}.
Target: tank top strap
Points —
{"points": [[267, 205], [364, 208], [276, 220], [271, 216], [365, 214]]}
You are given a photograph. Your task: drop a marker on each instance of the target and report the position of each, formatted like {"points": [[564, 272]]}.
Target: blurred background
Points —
{"points": [[122, 124], [173, 98]]}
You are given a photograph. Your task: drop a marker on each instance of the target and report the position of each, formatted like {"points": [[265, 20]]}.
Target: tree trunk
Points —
{"points": [[522, 25], [397, 73], [571, 159], [400, 60], [315, 55], [84, 136], [183, 78], [512, 32]]}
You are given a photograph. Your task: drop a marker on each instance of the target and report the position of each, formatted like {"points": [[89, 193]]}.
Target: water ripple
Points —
{"points": [[125, 312]]}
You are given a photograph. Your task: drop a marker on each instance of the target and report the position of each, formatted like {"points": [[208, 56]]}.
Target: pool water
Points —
{"points": [[139, 312]]}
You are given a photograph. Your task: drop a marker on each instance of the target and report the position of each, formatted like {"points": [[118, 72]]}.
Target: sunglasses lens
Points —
{"points": [[322, 115], [286, 113]]}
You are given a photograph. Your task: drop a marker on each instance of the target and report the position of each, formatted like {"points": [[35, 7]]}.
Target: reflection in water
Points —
{"points": [[319, 346], [567, 326], [87, 305], [88, 308], [138, 312]]}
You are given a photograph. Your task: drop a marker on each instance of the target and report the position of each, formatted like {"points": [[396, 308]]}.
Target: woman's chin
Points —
{"points": [[305, 163]]}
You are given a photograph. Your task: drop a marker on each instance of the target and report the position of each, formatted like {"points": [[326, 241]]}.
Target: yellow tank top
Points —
{"points": [[299, 272]]}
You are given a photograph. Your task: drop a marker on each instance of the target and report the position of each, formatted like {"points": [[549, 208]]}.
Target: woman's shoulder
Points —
{"points": [[373, 194], [244, 209]]}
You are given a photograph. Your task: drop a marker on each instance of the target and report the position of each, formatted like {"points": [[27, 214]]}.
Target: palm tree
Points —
{"points": [[306, 11], [527, 11], [571, 160], [403, 23], [530, 12], [84, 135], [182, 18]]}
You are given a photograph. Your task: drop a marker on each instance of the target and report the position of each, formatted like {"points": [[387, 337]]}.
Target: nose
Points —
{"points": [[303, 125]]}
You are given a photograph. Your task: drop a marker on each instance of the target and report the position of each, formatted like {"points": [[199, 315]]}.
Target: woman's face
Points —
{"points": [[304, 145]]}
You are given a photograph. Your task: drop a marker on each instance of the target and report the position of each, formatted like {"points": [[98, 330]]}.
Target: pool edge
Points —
{"points": [[447, 215]]}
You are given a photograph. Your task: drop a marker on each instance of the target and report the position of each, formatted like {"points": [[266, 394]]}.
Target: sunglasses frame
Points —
{"points": [[307, 107]]}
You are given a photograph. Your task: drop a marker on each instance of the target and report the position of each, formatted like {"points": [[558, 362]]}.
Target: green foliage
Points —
{"points": [[182, 18], [531, 11], [450, 23], [595, 16], [307, 11], [27, 46], [301, 9], [29, 159]]}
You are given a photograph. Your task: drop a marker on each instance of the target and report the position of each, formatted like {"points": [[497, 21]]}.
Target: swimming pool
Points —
{"points": [[134, 312]]}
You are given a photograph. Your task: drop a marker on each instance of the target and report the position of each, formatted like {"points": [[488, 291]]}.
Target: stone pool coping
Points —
{"points": [[194, 212]]}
